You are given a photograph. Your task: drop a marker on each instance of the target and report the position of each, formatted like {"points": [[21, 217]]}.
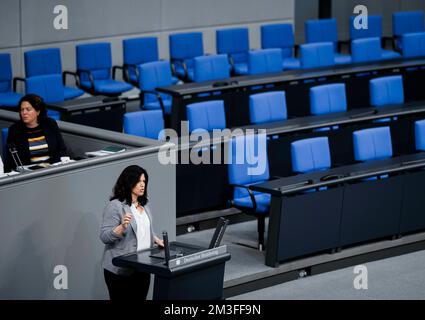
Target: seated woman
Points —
{"points": [[36, 137]]}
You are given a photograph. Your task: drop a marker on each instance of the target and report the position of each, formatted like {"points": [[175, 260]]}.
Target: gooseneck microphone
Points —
{"points": [[166, 247], [15, 156]]}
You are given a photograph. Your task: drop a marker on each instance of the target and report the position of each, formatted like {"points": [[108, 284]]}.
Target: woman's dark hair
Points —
{"points": [[127, 181], [37, 103]]}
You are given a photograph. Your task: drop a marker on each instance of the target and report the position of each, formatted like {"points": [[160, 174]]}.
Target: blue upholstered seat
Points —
{"points": [[48, 61], [235, 43], [372, 144], [311, 154], [265, 61], [153, 75], [147, 124], [184, 47], [281, 36], [212, 67], [8, 98], [420, 135], [267, 107], [413, 44], [208, 115], [366, 49], [407, 22], [386, 91], [243, 171], [94, 62], [317, 55], [328, 98], [325, 30]]}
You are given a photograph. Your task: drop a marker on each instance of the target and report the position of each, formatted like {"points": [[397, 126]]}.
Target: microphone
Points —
{"points": [[15, 156], [166, 247]]}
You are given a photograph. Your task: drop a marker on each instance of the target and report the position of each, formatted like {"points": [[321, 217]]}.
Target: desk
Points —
{"points": [[99, 112], [205, 187], [349, 211], [296, 84], [197, 275]]}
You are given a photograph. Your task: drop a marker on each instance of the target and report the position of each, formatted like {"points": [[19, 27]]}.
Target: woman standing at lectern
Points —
{"points": [[127, 227]]}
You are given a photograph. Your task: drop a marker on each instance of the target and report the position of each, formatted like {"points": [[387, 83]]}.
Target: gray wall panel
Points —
{"points": [[9, 23]]}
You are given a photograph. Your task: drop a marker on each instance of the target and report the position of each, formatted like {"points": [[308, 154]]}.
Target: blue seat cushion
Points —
{"points": [[388, 54], [72, 93], [153, 105], [9, 99], [53, 114], [262, 200], [342, 58], [291, 64], [241, 68], [108, 86]]}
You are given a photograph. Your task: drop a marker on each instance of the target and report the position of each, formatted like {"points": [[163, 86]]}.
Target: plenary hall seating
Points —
{"points": [[8, 97], [148, 124]]}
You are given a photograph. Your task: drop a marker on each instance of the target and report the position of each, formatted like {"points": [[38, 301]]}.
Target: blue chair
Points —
{"points": [[208, 115], [267, 107], [281, 36], [310, 155], [317, 55], [184, 47], [420, 135], [325, 30], [386, 91], [264, 61], [48, 61], [413, 44], [147, 124], [137, 51], [8, 97], [372, 144], [243, 171], [328, 98], [374, 30], [50, 88], [406, 22], [153, 75], [4, 133], [235, 43], [366, 49], [213, 67], [94, 64]]}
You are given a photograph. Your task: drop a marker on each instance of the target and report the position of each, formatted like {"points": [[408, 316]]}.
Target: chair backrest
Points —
{"points": [[247, 158], [208, 115], [5, 72], [140, 50], [374, 28], [372, 144], [212, 67], [315, 55], [4, 133], [321, 30], [265, 61], [407, 22], [186, 46], [49, 87], [279, 35], [413, 44], [144, 123], [328, 98], [267, 107], [42, 62], [153, 75], [310, 155], [95, 57], [234, 41], [386, 90], [366, 49], [420, 135]]}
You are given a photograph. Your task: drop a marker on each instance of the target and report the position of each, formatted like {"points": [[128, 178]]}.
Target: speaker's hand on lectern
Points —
{"points": [[158, 241]]}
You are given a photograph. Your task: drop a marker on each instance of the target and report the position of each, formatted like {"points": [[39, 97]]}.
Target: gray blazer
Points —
{"points": [[116, 245]]}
